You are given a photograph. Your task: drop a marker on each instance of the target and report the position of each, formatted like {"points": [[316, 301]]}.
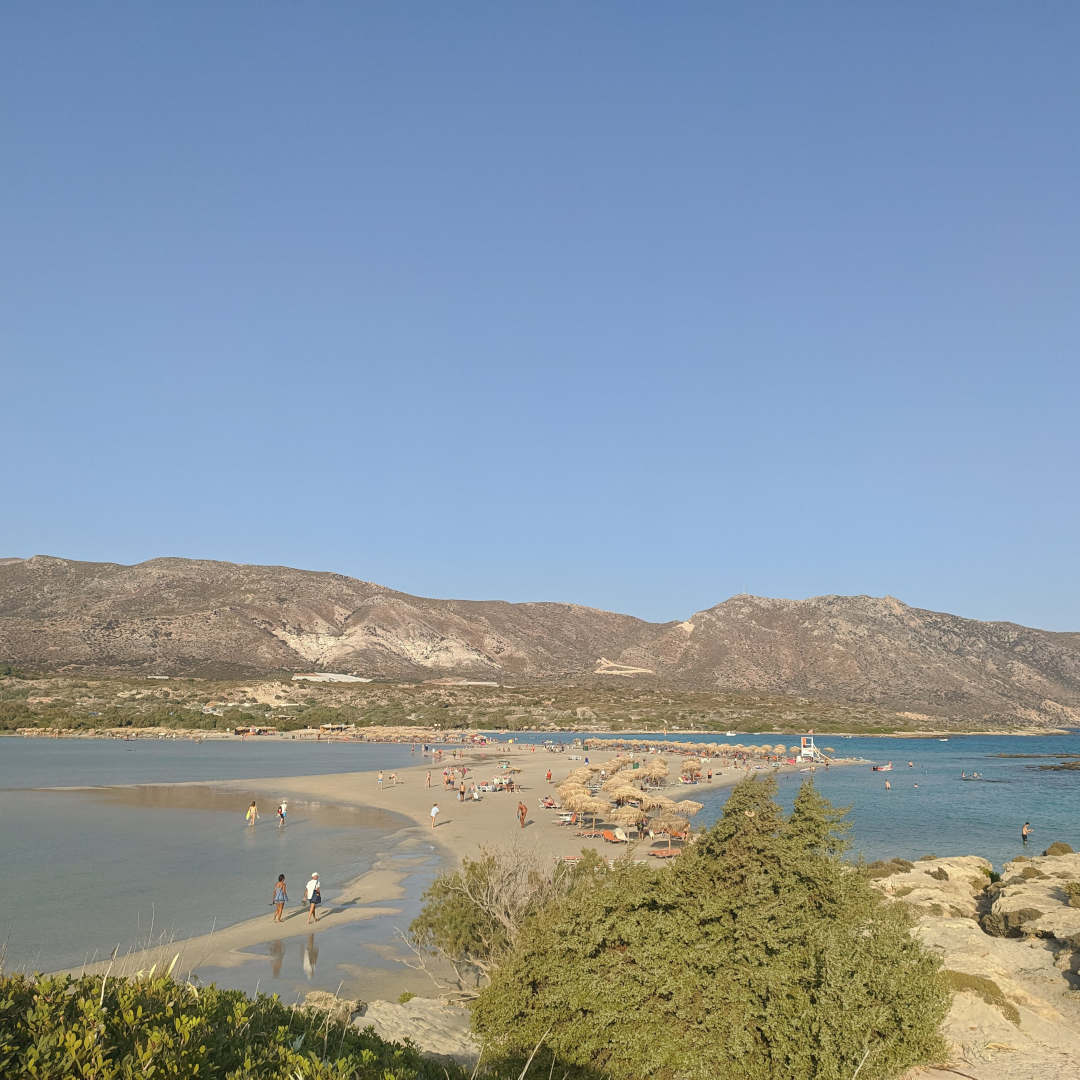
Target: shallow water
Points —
{"points": [[64, 762], [84, 871], [360, 960]]}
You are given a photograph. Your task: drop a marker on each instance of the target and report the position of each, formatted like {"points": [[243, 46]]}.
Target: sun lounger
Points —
{"points": [[590, 834], [666, 853], [609, 836], [621, 837]]}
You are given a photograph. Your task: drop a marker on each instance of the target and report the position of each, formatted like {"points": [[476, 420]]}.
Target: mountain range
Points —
{"points": [[197, 617]]}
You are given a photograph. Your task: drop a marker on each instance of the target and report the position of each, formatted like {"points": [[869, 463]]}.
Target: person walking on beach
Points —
{"points": [[434, 813], [314, 897], [461, 791], [284, 811], [252, 814], [429, 778], [380, 779], [281, 897], [523, 813], [1025, 832]]}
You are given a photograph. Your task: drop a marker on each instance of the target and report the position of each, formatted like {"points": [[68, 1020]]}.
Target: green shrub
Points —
{"points": [[1031, 872], [55, 1027], [1058, 847], [759, 954], [940, 874], [985, 988], [1072, 893], [884, 869], [471, 917], [405, 997]]}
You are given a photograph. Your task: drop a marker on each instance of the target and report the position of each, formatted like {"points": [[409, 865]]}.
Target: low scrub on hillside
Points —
{"points": [[53, 1028], [758, 954]]}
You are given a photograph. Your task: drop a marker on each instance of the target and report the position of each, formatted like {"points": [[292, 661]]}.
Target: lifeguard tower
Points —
{"points": [[808, 751]]}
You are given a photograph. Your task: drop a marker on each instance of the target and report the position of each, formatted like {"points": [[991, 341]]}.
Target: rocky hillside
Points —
{"points": [[179, 616]]}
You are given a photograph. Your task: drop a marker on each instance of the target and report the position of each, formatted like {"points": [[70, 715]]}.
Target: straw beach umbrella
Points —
{"points": [[628, 817], [671, 825], [658, 802], [590, 804], [688, 808]]}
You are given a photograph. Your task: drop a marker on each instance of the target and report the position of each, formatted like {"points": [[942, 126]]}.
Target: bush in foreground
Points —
{"points": [[53, 1028], [759, 954]]}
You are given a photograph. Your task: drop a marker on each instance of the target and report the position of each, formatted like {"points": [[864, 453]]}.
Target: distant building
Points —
{"points": [[327, 676]]}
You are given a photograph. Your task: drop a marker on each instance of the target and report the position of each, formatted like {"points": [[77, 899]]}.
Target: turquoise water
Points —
{"points": [[943, 815]]}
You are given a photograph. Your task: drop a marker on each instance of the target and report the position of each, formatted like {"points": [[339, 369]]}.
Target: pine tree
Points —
{"points": [[758, 955]]}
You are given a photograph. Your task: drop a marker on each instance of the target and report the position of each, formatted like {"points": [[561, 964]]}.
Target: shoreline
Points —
{"points": [[498, 737], [463, 830]]}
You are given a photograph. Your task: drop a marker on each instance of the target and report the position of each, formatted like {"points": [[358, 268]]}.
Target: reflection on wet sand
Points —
{"points": [[311, 956], [211, 797], [277, 956]]}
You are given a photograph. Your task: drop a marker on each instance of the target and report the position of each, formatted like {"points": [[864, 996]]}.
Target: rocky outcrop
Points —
{"points": [[1015, 1012], [437, 1027], [181, 616], [950, 886], [1034, 899]]}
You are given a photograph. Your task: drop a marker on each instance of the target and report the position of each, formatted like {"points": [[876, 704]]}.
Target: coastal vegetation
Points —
{"points": [[89, 704], [55, 1027], [758, 953]]}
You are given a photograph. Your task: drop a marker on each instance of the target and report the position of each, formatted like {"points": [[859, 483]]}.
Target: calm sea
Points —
{"points": [[930, 810], [82, 871]]}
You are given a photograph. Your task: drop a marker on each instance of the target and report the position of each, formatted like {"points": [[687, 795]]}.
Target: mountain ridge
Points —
{"points": [[183, 616]]}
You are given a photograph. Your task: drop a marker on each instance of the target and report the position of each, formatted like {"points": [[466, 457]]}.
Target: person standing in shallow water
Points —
{"points": [[252, 814], [434, 813], [1025, 832], [280, 898]]}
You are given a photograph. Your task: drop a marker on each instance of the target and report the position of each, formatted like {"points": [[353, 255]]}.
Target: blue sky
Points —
{"points": [[626, 304]]}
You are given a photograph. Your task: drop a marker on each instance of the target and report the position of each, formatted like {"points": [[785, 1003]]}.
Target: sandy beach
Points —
{"points": [[462, 829]]}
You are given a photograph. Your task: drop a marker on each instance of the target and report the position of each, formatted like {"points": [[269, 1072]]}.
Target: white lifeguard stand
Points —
{"points": [[809, 752]]}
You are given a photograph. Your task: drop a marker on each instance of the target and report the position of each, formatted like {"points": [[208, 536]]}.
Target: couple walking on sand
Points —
{"points": [[312, 894]]}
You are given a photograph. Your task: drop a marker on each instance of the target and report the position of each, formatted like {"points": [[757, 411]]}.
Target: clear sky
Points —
{"points": [[635, 305]]}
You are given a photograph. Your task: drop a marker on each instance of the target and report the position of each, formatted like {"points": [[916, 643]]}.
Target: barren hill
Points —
{"points": [[180, 616]]}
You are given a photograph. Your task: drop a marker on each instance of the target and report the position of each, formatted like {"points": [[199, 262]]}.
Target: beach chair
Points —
{"points": [[609, 836], [621, 837]]}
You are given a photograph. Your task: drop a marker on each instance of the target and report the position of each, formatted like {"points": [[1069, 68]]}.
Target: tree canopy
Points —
{"points": [[758, 954]]}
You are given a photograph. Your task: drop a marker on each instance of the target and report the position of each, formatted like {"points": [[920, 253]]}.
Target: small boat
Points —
{"points": [[943, 740], [983, 779], [731, 734], [882, 768]]}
